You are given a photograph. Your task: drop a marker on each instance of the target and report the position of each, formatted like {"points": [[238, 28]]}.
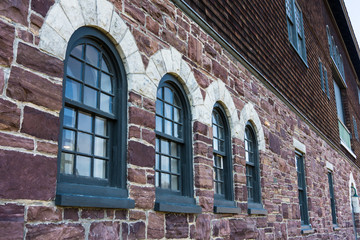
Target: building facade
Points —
{"points": [[159, 119]]}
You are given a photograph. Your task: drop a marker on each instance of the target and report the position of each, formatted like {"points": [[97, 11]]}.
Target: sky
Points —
{"points": [[353, 8]]}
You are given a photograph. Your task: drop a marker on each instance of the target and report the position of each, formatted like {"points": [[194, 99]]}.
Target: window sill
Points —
{"points": [[301, 57], [347, 149], [306, 229], [256, 209], [177, 207], [73, 200], [336, 227]]}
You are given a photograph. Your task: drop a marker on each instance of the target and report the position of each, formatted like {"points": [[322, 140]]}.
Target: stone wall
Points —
{"points": [[153, 38]]}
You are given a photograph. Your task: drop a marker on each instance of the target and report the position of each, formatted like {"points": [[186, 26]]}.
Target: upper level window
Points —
{"points": [[173, 160], [223, 179], [252, 172], [296, 27], [355, 129], [335, 55], [93, 124], [324, 79], [345, 136]]}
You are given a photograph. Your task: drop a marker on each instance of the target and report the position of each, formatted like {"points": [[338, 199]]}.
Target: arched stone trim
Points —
{"points": [[217, 92], [248, 113], [66, 16], [353, 201], [170, 61]]}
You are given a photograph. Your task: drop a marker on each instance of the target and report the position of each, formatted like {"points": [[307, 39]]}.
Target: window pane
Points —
{"points": [[164, 147], [92, 55], [73, 90], [174, 149], [168, 95], [90, 97], [174, 183], [91, 76], [159, 107], [99, 168], [216, 144], [176, 115], [104, 65], [157, 161], [77, 51], [100, 147], [106, 83], [165, 163], [85, 122], [168, 127], [68, 140], [73, 68], [67, 163], [84, 143], [100, 126], [165, 180], [157, 180], [159, 124], [168, 111], [106, 103], [174, 165], [177, 130], [69, 117], [83, 166]]}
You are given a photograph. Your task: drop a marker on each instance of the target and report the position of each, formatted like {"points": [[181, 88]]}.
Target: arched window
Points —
{"points": [[173, 160], [93, 124], [252, 172], [223, 175]]}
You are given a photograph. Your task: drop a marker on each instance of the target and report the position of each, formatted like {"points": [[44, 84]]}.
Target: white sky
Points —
{"points": [[353, 8]]}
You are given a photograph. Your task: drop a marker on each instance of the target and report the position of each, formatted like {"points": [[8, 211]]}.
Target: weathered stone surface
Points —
{"points": [[137, 176], [7, 35], [35, 59], [141, 117], [92, 213], [34, 122], [2, 80], [71, 214], [140, 154], [203, 226], [136, 215], [11, 221], [149, 136], [146, 44], [177, 226], [9, 115], [36, 23], [42, 213], [16, 10], [35, 181], [41, 6], [221, 228], [195, 49], [104, 231], [155, 228], [274, 143], [200, 128], [144, 196], [243, 228], [203, 177], [15, 141], [47, 147], [121, 214], [133, 230], [28, 87], [55, 231]]}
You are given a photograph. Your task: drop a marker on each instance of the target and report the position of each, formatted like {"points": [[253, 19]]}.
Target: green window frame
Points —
{"points": [[300, 169], [335, 55], [355, 129], [92, 139], [296, 28], [332, 198], [173, 150], [324, 79], [223, 172]]}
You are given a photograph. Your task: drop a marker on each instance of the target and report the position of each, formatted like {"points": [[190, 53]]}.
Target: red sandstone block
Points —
{"points": [[9, 115], [104, 230], [34, 122], [28, 87], [47, 147], [174, 41], [221, 228], [134, 132], [7, 35], [201, 149], [137, 176], [55, 231], [177, 226], [203, 227], [152, 25], [133, 230], [141, 117], [195, 49], [203, 176], [11, 221], [26, 36], [135, 98], [219, 71], [71, 214], [148, 135], [140, 154], [201, 78], [206, 199], [149, 105], [42, 213], [92, 213], [36, 22], [155, 227], [136, 215], [144, 196], [15, 10], [15, 141], [41, 6], [121, 214], [135, 13], [200, 128], [39, 61], [36, 181]]}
